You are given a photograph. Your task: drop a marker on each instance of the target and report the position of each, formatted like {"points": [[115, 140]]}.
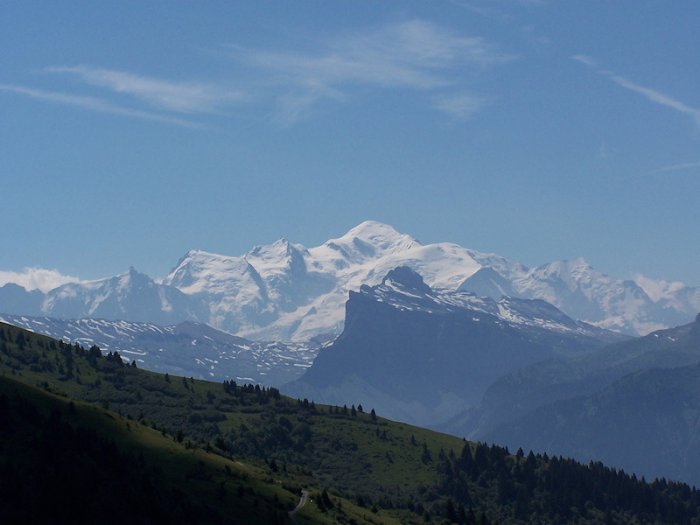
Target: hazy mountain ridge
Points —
{"points": [[634, 404], [284, 291], [188, 349], [518, 393]]}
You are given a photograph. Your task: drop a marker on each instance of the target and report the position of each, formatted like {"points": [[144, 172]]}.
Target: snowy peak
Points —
{"points": [[380, 235], [279, 249], [487, 282], [131, 295], [571, 272], [371, 239], [133, 279], [278, 257], [199, 271]]}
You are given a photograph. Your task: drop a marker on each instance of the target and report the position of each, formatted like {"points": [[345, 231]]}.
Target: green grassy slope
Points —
{"points": [[221, 453], [64, 461]]}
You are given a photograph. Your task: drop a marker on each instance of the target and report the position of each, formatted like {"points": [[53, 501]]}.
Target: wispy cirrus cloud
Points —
{"points": [[657, 97], [460, 106], [413, 55], [95, 104], [181, 97], [410, 56], [585, 60], [650, 94], [495, 8], [681, 167]]}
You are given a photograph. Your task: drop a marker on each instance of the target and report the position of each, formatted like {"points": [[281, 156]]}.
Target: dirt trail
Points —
{"points": [[302, 501]]}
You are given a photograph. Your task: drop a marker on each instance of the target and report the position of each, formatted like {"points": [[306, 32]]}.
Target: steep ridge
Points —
{"points": [[423, 355]]}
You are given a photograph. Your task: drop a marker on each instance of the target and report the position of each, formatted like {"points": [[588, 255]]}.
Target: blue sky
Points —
{"points": [[131, 132]]}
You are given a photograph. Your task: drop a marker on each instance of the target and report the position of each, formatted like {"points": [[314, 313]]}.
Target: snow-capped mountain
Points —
{"points": [[404, 289], [132, 295], [584, 293], [423, 355], [284, 291], [186, 349]]}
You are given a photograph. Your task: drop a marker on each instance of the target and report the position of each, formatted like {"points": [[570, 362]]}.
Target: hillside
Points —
{"points": [[70, 462], [230, 446]]}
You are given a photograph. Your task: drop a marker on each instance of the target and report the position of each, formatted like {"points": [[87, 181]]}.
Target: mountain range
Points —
{"points": [[284, 291], [423, 355]]}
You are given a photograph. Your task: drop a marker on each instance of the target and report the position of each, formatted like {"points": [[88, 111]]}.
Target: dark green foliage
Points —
{"points": [[563, 490], [99, 470], [426, 457], [55, 467]]}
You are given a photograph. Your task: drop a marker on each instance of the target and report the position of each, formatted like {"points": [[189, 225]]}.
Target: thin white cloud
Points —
{"points": [[461, 106], [32, 278], [650, 94], [182, 97], [658, 289], [413, 55], [657, 96], [495, 8], [293, 107], [95, 104], [585, 59], [682, 166]]}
